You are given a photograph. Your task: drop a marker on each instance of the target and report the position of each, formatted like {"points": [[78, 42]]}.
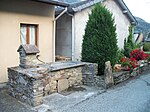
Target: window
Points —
{"points": [[28, 34]]}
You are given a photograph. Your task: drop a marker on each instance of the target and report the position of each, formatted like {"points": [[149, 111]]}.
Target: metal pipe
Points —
{"points": [[73, 39], [64, 11], [73, 36]]}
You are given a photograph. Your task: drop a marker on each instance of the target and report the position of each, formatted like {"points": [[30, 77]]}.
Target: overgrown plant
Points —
{"points": [[120, 54], [129, 45], [99, 42]]}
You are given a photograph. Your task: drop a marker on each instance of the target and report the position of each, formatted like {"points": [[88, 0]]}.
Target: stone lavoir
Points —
{"points": [[32, 80]]}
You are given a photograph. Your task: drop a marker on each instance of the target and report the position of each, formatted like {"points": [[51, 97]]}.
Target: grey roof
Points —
{"points": [[53, 2], [78, 6], [70, 1], [84, 4], [29, 49]]}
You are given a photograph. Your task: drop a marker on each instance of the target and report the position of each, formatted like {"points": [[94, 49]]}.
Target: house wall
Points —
{"points": [[64, 36], [80, 19], [12, 13], [122, 24], [121, 20]]}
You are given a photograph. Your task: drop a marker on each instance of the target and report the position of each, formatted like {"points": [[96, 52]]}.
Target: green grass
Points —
{"points": [[147, 52]]}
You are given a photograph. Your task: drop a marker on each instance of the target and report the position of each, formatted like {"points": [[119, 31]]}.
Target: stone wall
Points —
{"points": [[125, 75], [25, 88], [32, 84], [60, 80], [90, 77]]}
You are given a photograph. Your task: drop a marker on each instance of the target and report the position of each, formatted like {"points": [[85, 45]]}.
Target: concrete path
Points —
{"points": [[133, 96], [10, 104]]}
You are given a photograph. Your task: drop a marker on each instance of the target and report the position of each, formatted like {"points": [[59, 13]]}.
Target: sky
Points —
{"points": [[139, 8]]}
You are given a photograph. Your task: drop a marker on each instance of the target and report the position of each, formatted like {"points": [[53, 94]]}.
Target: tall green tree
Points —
{"points": [[99, 42], [129, 44]]}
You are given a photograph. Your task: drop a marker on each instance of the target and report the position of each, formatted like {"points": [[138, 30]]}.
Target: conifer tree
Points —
{"points": [[99, 42], [129, 44]]}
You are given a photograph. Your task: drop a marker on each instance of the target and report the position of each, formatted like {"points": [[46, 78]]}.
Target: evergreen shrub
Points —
{"points": [[99, 42]]}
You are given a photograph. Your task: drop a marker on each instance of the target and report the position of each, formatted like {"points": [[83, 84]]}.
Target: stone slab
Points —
{"points": [[62, 85]]}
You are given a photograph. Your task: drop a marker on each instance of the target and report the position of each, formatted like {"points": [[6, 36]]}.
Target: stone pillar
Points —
{"points": [[109, 79], [89, 73]]}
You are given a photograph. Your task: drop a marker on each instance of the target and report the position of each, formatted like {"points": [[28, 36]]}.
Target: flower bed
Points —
{"points": [[131, 67]]}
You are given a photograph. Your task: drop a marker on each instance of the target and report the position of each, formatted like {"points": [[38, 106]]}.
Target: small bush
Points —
{"points": [[129, 63], [120, 54], [146, 46]]}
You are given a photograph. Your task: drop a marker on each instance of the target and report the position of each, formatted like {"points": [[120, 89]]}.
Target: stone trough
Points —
{"points": [[30, 85], [34, 79]]}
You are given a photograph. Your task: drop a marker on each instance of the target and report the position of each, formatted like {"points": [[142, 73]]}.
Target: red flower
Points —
{"points": [[129, 63], [138, 54]]}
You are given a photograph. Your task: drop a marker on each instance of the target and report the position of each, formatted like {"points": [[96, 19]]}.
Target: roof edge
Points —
{"points": [[52, 2], [86, 5], [127, 12]]}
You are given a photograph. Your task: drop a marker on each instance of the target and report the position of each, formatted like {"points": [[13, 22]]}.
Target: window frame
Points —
{"points": [[28, 32]]}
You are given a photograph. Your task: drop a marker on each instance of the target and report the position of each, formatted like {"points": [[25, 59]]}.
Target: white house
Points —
{"points": [[70, 26]]}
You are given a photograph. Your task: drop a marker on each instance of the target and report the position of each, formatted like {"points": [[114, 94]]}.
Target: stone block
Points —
{"points": [[135, 72], [62, 85], [79, 76], [71, 81], [109, 79], [121, 76]]}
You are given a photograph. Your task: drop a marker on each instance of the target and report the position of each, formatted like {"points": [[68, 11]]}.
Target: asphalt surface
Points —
{"points": [[10, 104], [132, 96]]}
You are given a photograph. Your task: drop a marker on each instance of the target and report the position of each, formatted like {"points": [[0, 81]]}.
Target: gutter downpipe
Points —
{"points": [[73, 36], [54, 30]]}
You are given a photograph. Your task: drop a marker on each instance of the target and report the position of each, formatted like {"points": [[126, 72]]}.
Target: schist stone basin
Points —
{"points": [[30, 85], [32, 80]]}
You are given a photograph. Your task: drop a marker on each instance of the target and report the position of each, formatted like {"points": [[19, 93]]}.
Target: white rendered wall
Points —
{"points": [[81, 18]]}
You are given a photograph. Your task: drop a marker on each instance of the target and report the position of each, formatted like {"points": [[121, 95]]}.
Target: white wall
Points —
{"points": [[64, 36], [81, 19], [121, 21]]}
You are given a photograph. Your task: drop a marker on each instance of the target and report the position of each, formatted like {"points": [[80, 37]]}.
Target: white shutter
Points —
{"points": [[23, 33], [32, 35]]}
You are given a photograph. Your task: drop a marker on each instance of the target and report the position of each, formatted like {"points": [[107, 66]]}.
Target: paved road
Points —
{"points": [[132, 97], [10, 104]]}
